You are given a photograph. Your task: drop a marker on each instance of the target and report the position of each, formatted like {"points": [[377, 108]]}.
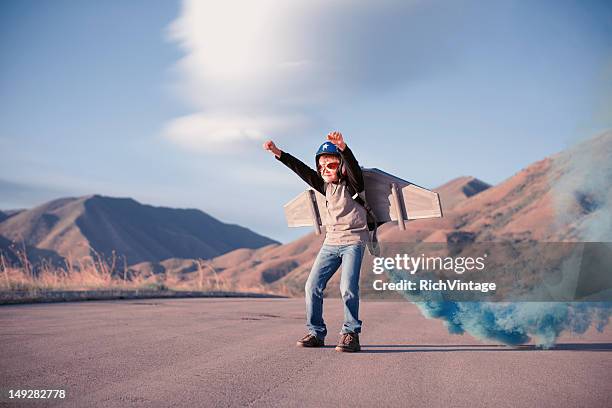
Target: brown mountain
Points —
{"points": [[565, 197], [457, 190], [76, 226]]}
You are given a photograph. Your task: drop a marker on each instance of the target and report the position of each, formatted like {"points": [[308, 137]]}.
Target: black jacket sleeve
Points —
{"points": [[353, 171], [307, 174]]}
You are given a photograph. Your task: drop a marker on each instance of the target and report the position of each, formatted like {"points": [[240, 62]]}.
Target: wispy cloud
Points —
{"points": [[261, 69], [214, 131]]}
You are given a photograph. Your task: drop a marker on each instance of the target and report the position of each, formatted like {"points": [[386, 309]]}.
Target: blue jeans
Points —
{"points": [[328, 260]]}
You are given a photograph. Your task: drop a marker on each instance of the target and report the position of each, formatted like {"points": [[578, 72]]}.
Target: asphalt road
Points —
{"points": [[241, 352]]}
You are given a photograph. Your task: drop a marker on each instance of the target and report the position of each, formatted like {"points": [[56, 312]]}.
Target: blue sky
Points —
{"points": [[169, 102]]}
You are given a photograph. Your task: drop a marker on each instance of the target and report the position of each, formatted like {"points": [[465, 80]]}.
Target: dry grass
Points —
{"points": [[97, 273]]}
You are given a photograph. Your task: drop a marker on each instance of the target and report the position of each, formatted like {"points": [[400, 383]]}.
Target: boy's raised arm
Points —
{"points": [[353, 171], [307, 174]]}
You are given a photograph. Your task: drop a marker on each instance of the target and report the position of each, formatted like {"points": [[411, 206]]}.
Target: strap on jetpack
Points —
{"points": [[372, 222]]}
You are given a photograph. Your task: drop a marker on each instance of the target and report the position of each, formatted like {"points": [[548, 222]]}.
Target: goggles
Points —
{"points": [[329, 166]]}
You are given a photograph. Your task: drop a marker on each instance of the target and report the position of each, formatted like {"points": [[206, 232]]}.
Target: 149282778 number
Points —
{"points": [[37, 394]]}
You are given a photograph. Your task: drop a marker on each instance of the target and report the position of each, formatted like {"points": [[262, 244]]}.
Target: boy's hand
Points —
{"points": [[271, 147], [337, 139]]}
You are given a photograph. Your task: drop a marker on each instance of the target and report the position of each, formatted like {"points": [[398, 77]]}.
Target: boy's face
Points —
{"points": [[328, 167]]}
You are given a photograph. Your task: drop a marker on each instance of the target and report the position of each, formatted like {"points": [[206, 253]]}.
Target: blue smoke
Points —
{"points": [[581, 190], [510, 323], [517, 323]]}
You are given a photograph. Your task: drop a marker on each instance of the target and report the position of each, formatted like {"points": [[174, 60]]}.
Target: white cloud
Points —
{"points": [[210, 132], [270, 68]]}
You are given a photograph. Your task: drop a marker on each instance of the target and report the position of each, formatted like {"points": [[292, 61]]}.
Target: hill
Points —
{"points": [[77, 226]]}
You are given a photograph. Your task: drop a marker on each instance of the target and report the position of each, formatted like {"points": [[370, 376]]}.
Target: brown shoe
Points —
{"points": [[349, 342], [310, 340]]}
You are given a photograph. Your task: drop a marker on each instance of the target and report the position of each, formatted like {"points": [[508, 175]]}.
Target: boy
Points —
{"points": [[339, 179]]}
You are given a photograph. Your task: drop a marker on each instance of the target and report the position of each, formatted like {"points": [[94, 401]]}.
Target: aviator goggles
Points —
{"points": [[329, 166]]}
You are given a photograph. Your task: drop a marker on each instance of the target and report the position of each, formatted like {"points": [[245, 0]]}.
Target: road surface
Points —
{"points": [[241, 352]]}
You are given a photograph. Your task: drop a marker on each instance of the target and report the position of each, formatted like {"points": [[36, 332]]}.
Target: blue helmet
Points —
{"points": [[328, 148]]}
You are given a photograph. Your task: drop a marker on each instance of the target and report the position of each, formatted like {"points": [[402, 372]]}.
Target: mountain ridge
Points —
{"points": [[76, 226]]}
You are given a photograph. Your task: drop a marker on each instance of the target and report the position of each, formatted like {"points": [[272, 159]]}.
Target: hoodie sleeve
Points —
{"points": [[353, 170], [307, 174]]}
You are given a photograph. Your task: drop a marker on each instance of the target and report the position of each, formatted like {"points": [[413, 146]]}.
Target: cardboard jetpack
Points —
{"points": [[390, 198]]}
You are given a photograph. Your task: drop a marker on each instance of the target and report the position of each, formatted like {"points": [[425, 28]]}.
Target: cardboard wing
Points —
{"points": [[395, 199], [302, 211], [391, 199]]}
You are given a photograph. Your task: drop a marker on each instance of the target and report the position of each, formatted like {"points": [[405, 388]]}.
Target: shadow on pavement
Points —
{"points": [[427, 348]]}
